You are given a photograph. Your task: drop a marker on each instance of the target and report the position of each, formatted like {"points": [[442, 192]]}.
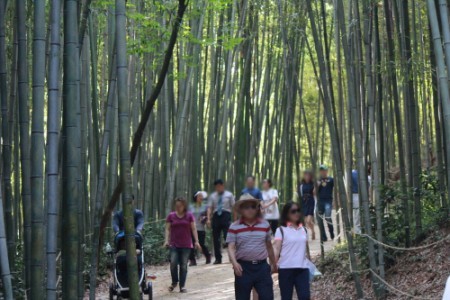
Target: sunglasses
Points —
{"points": [[295, 211], [249, 207]]}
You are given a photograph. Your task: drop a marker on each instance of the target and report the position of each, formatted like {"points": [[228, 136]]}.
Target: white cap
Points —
{"points": [[203, 193]]}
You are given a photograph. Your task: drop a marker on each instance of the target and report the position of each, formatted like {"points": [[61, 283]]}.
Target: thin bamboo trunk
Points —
{"points": [[6, 143], [37, 155], [124, 145], [98, 208], [443, 79], [71, 155], [53, 119], [23, 97], [4, 262]]}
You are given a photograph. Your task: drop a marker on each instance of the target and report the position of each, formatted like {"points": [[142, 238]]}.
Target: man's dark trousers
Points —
{"points": [[256, 276], [220, 224]]}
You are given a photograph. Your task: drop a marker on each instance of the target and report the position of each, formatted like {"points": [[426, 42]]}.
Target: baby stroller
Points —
{"points": [[120, 287]]}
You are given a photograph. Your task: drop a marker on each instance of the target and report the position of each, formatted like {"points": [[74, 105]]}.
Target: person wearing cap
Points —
{"points": [[250, 188], [325, 202], [249, 246], [220, 208], [199, 210]]}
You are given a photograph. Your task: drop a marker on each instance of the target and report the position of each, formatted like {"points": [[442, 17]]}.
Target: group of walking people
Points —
{"points": [[259, 233]]}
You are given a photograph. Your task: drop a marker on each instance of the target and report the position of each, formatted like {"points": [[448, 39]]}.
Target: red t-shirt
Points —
{"points": [[180, 230]]}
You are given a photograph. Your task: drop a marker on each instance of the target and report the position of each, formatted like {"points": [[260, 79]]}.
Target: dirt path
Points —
{"points": [[207, 281]]}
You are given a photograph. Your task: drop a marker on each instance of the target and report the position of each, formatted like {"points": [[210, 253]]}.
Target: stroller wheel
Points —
{"points": [[150, 290], [111, 291]]}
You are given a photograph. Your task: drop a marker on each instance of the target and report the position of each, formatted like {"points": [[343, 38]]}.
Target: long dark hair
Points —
{"points": [[284, 219]]}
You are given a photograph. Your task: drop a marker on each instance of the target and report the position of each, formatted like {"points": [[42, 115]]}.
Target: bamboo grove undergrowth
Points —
{"points": [[108, 99]]}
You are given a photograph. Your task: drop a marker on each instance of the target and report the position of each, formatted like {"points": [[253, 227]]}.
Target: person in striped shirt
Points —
{"points": [[249, 246]]}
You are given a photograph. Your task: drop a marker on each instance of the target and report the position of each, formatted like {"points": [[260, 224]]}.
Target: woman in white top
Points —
{"points": [[291, 244], [270, 204]]}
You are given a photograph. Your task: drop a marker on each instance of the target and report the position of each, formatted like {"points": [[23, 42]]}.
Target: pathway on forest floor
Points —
{"points": [[208, 281]]}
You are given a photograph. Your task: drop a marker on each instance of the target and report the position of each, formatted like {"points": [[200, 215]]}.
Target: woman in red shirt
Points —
{"points": [[180, 228]]}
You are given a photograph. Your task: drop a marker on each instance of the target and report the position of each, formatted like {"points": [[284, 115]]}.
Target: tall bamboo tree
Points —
{"points": [[70, 160], [53, 128], [37, 155], [23, 97], [124, 145]]}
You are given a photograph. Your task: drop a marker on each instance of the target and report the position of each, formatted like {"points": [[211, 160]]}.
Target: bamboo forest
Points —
{"points": [[111, 108]]}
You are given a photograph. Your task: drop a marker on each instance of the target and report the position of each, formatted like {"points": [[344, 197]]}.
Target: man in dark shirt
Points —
{"points": [[325, 202]]}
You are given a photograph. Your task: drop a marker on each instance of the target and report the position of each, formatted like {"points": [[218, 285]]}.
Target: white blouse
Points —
{"points": [[293, 247]]}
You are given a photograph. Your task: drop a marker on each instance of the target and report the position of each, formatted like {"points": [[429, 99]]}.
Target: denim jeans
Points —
{"points": [[324, 208], [290, 278], [179, 257]]}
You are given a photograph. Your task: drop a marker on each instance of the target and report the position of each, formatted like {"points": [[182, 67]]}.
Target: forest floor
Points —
{"points": [[208, 281], [421, 273]]}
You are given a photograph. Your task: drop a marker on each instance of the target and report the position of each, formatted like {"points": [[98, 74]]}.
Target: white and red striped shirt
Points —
{"points": [[250, 240]]}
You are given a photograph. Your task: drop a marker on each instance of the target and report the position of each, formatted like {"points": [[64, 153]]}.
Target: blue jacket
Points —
{"points": [[255, 192], [118, 224]]}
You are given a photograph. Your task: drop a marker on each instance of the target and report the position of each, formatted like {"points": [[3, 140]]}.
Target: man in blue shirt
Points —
{"points": [[250, 188], [325, 202]]}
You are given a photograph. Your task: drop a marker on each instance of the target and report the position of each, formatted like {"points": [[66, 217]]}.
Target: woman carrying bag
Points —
{"points": [[291, 251]]}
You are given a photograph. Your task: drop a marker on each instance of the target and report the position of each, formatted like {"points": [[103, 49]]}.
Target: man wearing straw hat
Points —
{"points": [[249, 246]]}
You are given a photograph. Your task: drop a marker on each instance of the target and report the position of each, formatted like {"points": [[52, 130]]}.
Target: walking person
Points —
{"points": [[291, 251], [180, 227], [307, 193], [199, 210], [250, 188], [220, 208], [325, 202], [355, 202], [270, 204], [249, 246]]}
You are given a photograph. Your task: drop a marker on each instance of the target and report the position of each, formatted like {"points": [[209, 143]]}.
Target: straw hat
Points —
{"points": [[245, 198]]}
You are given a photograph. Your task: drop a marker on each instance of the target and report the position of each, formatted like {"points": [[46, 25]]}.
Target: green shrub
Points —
{"points": [[154, 252]]}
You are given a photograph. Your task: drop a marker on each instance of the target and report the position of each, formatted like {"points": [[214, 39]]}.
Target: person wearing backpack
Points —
{"points": [[291, 253]]}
